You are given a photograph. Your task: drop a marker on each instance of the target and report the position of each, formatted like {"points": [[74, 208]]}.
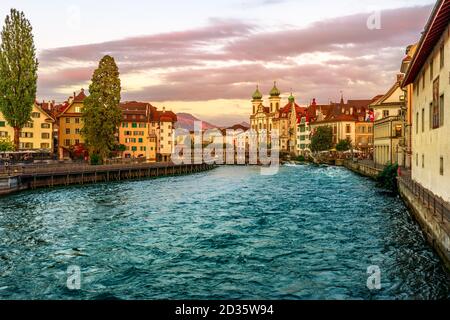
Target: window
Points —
{"points": [[28, 125], [398, 131], [423, 120], [431, 69], [423, 161], [67, 120], [77, 131], [125, 125], [45, 135], [77, 120], [141, 140], [68, 131], [417, 159], [348, 129], [67, 142], [2, 123], [441, 111], [35, 115], [143, 148], [423, 79], [26, 145], [417, 123], [142, 125], [385, 113], [133, 148], [441, 167], [77, 109], [26, 134], [45, 146], [45, 125], [3, 134], [134, 125], [77, 141], [442, 56]]}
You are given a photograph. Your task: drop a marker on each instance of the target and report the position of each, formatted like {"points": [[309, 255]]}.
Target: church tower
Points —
{"points": [[256, 100], [274, 98]]}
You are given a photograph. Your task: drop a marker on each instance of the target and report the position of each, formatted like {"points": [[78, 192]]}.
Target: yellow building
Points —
{"points": [[135, 132], [388, 126], [146, 132], [349, 121], [37, 134], [70, 125], [364, 136]]}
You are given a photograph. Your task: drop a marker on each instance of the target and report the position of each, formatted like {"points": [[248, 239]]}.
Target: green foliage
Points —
{"points": [[301, 159], [96, 160], [120, 148], [6, 145], [18, 72], [344, 145], [101, 113], [387, 179], [322, 140]]}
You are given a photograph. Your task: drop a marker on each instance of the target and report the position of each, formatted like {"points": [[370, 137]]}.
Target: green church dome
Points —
{"points": [[291, 98], [257, 95], [275, 92]]}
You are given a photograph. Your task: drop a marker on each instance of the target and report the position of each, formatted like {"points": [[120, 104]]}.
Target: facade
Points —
{"points": [[37, 133], [135, 131], [406, 150], [429, 72], [304, 136], [349, 121], [388, 129], [146, 132], [70, 124], [285, 120]]}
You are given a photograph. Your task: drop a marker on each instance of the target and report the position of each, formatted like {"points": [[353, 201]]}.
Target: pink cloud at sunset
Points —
{"points": [[226, 59]]}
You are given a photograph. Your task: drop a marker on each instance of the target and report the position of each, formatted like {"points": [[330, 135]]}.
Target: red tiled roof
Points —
{"points": [[80, 97], [434, 29]]}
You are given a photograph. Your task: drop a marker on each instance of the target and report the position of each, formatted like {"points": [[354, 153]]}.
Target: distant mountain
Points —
{"points": [[186, 121], [245, 124]]}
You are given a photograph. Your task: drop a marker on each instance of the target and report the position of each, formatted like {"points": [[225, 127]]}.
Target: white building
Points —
{"points": [[429, 73]]}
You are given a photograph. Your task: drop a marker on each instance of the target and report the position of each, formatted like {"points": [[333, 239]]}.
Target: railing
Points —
{"points": [[435, 204], [73, 167]]}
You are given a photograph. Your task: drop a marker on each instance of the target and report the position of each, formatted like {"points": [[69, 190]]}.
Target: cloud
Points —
{"points": [[225, 59]]}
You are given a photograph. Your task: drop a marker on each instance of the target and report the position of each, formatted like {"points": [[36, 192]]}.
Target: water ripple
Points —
{"points": [[307, 233]]}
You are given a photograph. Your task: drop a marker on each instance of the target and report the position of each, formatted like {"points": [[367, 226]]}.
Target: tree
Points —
{"points": [[6, 145], [344, 145], [322, 139], [101, 113], [18, 72]]}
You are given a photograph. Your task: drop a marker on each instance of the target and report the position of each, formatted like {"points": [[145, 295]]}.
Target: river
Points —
{"points": [[306, 233]]}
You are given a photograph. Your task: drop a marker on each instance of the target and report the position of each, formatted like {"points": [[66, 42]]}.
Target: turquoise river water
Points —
{"points": [[230, 233]]}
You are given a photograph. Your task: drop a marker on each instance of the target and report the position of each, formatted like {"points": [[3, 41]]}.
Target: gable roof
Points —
{"points": [[436, 25], [386, 96]]}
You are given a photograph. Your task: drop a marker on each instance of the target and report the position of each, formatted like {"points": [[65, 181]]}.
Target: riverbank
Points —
{"points": [[362, 168], [47, 177], [431, 213]]}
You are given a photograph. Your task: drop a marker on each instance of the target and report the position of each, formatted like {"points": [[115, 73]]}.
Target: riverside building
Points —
{"points": [[429, 73]]}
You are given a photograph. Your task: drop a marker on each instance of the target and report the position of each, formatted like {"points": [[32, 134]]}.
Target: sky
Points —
{"points": [[206, 57]]}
